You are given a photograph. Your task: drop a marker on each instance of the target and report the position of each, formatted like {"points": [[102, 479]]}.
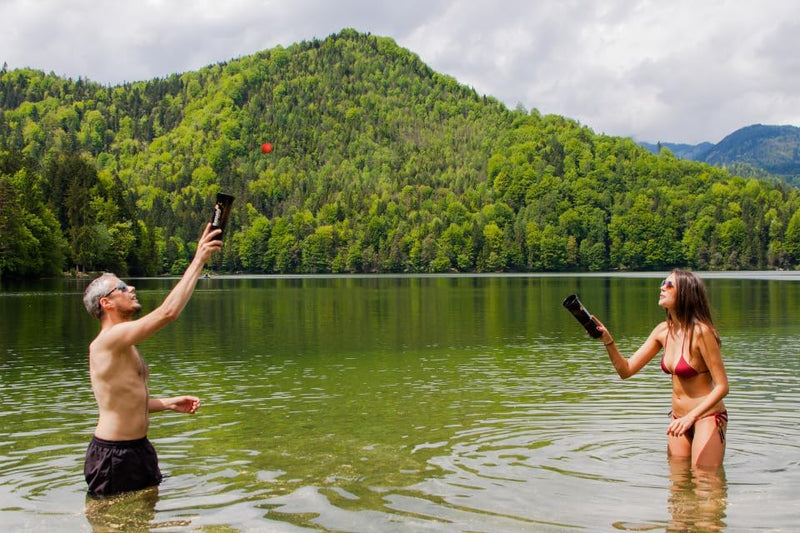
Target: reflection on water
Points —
{"points": [[127, 512], [404, 404], [698, 497]]}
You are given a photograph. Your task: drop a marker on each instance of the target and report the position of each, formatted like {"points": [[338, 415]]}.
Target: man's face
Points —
{"points": [[123, 297]]}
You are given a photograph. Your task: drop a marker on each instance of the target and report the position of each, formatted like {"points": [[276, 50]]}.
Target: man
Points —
{"points": [[119, 457]]}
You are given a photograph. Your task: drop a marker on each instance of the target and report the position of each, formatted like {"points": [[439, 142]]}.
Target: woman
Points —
{"points": [[692, 356]]}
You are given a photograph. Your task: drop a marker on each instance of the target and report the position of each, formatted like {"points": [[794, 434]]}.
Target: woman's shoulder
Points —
{"points": [[660, 332], [661, 328], [704, 331]]}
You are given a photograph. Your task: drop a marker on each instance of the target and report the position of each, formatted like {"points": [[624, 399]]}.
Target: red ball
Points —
{"points": [[266, 148]]}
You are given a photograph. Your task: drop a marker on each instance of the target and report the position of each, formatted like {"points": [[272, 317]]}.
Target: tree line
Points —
{"points": [[380, 165]]}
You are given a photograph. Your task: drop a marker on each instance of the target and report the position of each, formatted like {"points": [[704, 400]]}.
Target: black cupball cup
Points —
{"points": [[222, 210], [574, 306]]}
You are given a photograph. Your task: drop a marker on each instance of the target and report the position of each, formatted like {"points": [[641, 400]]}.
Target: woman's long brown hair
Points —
{"points": [[691, 305]]}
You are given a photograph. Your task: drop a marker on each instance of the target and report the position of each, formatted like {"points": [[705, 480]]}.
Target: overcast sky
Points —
{"points": [[673, 71]]}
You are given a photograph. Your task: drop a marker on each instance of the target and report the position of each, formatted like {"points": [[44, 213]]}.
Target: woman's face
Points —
{"points": [[669, 292]]}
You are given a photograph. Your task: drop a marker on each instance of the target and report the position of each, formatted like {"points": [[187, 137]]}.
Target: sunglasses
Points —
{"points": [[667, 284], [121, 288]]}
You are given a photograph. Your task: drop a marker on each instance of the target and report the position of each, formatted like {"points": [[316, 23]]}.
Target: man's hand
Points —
{"points": [[179, 404], [208, 244], [184, 404]]}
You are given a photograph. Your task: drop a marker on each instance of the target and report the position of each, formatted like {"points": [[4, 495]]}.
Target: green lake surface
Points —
{"points": [[404, 403]]}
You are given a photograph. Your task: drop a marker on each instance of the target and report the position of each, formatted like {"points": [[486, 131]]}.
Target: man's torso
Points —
{"points": [[119, 383]]}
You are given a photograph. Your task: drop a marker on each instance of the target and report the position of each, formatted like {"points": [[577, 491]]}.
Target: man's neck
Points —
{"points": [[112, 319]]}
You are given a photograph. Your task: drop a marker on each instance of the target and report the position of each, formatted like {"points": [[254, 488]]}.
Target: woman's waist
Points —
{"points": [[683, 407]]}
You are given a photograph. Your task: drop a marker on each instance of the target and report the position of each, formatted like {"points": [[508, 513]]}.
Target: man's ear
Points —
{"points": [[106, 303]]}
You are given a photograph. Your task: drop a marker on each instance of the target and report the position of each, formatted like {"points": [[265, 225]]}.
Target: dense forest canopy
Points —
{"points": [[380, 165]]}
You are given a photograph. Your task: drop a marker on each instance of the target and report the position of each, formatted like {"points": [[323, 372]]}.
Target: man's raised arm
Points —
{"points": [[129, 333]]}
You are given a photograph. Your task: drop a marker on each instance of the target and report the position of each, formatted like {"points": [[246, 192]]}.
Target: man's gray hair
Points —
{"points": [[98, 288]]}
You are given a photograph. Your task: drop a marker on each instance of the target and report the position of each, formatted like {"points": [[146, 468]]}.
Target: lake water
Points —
{"points": [[440, 403]]}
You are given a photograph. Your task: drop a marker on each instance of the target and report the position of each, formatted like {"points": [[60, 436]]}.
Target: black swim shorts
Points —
{"points": [[112, 467]]}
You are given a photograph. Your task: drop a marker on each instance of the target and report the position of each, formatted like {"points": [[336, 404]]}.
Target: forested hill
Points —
{"points": [[380, 165]]}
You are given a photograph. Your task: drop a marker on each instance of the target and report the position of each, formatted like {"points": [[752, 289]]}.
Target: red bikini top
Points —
{"points": [[683, 370]]}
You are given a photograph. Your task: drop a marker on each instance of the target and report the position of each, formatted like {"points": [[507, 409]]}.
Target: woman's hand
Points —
{"points": [[679, 426], [606, 337]]}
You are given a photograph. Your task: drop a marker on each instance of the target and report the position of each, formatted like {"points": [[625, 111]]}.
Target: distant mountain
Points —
{"points": [[692, 152], [774, 149]]}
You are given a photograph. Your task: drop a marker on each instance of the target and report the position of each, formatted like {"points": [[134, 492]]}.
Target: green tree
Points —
{"points": [[643, 239], [792, 240], [319, 250], [31, 243], [253, 245], [492, 258], [553, 249]]}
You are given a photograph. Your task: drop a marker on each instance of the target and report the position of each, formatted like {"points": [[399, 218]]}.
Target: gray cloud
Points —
{"points": [[679, 71]]}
